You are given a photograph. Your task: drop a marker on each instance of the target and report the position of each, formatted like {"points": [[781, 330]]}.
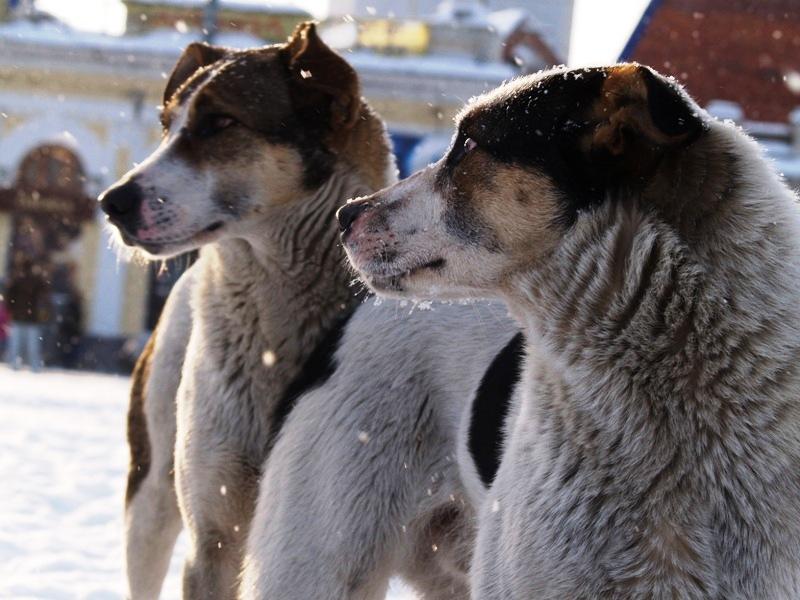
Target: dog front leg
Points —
{"points": [[217, 491], [212, 567], [152, 518], [152, 525], [342, 483]]}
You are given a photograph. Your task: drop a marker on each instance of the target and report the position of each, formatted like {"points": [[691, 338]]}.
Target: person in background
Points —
{"points": [[5, 320], [69, 316], [27, 298]]}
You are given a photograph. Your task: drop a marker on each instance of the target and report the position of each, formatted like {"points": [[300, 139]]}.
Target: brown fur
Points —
{"points": [[322, 74], [237, 90], [138, 441], [623, 107], [359, 149], [484, 185], [260, 147], [196, 56]]}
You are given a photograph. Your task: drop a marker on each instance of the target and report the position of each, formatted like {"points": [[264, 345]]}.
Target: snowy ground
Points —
{"points": [[62, 476]]}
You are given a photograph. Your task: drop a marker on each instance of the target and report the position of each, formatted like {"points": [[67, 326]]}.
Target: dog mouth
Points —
{"points": [[162, 245], [213, 227], [392, 280]]}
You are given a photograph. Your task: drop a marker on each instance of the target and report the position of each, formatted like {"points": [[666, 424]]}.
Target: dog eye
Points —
{"points": [[460, 151], [214, 124]]}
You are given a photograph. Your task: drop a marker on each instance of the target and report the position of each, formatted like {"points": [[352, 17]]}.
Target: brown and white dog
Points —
{"points": [[652, 255], [260, 147]]}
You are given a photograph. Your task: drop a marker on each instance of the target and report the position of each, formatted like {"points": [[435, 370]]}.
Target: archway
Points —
{"points": [[47, 202]]}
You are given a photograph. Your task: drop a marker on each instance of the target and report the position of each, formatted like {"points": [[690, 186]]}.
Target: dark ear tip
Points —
{"points": [[303, 38], [671, 109], [195, 56], [205, 48], [304, 29], [205, 53]]}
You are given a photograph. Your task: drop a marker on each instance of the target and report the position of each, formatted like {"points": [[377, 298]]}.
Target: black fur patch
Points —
{"points": [[542, 125], [490, 408], [669, 111], [317, 369]]}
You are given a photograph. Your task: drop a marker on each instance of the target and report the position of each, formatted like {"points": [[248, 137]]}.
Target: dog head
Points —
{"points": [[245, 134], [524, 161]]}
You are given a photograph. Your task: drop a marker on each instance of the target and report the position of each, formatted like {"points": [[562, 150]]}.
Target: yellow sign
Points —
{"points": [[410, 37]]}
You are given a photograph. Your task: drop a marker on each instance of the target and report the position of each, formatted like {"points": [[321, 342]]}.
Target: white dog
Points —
{"points": [[652, 256]]}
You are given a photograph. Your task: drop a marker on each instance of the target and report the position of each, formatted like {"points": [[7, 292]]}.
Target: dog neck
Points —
{"points": [[654, 282], [662, 373], [264, 302]]}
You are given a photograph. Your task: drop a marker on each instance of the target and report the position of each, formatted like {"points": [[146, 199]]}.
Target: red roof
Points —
{"points": [[746, 51]]}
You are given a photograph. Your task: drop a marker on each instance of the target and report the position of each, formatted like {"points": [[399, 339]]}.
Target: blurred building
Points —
{"points": [[265, 20], [77, 109], [551, 19], [418, 72], [738, 58]]}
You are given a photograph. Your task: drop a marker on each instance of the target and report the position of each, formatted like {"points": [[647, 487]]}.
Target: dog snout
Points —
{"points": [[121, 203], [348, 213]]}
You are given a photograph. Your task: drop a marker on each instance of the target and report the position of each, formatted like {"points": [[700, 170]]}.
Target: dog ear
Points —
{"points": [[639, 115], [315, 71], [195, 56]]}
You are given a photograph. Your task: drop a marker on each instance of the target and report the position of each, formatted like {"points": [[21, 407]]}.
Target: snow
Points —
{"points": [[63, 461], [464, 13], [261, 6], [168, 41], [171, 42], [433, 65], [505, 22]]}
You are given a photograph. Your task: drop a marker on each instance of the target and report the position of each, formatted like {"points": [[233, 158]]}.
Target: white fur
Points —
{"points": [[721, 517], [365, 467], [656, 450]]}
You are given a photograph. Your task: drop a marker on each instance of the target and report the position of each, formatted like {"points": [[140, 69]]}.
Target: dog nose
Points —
{"points": [[349, 213], [120, 202]]}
